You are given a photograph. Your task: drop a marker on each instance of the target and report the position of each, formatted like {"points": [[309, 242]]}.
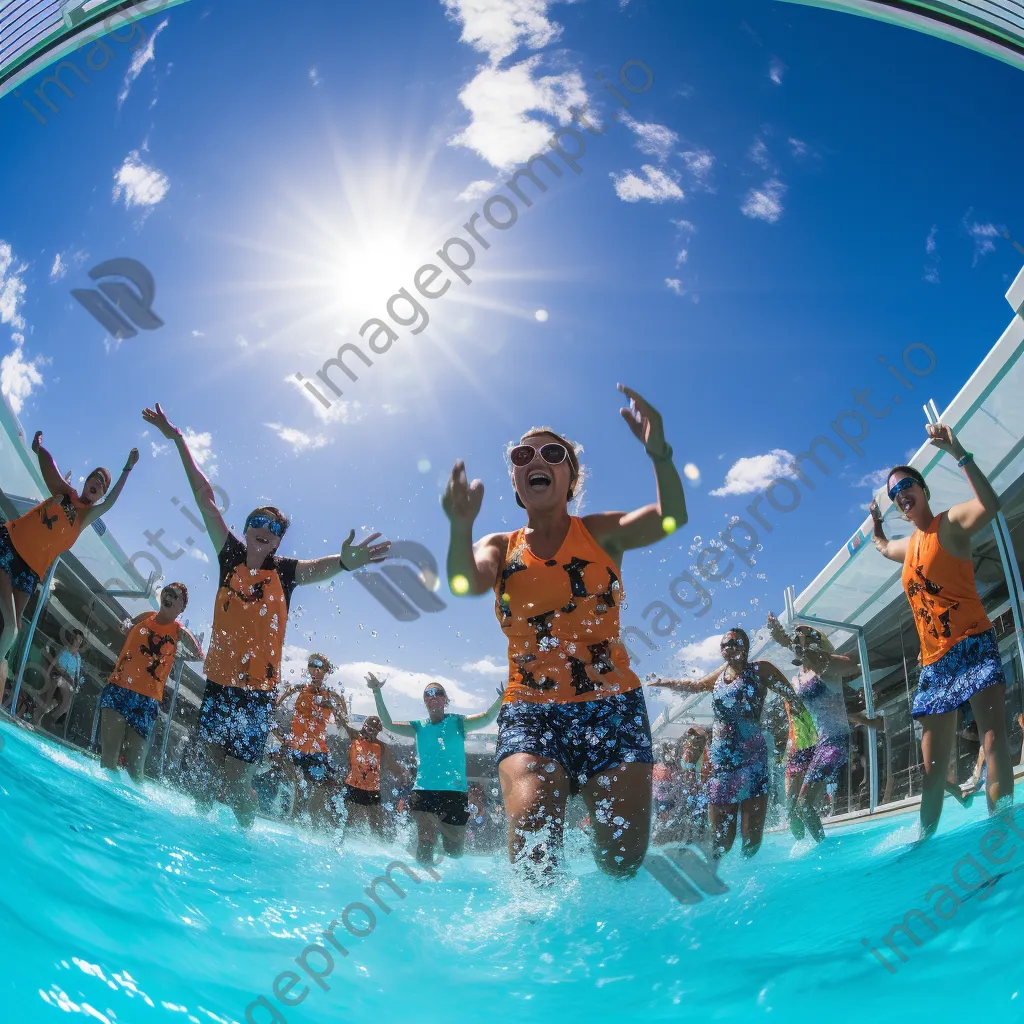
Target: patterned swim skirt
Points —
{"points": [[965, 669]]}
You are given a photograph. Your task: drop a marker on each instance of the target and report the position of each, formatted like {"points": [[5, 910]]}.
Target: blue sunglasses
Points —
{"points": [[264, 523], [907, 481]]}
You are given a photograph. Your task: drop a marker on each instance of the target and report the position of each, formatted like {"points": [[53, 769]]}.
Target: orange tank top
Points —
{"points": [[309, 723], [561, 617], [147, 657], [45, 532], [942, 594], [364, 765]]}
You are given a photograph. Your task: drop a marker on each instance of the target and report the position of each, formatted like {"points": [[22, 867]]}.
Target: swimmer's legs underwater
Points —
{"points": [[723, 825], [117, 736]]}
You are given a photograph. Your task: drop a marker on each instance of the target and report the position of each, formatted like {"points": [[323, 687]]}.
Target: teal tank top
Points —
{"points": [[441, 751]]}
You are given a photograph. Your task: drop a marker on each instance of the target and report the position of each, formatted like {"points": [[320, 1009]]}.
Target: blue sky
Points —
{"points": [[797, 193]]}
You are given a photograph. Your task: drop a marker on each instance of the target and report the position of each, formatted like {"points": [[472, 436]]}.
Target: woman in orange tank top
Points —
{"points": [[30, 544], [574, 715], [960, 659], [367, 755]]}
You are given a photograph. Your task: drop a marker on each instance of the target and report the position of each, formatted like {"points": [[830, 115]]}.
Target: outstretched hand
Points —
{"points": [[158, 418], [876, 512], [133, 458], [37, 442], [775, 627], [355, 556], [373, 682], [462, 500], [644, 420]]}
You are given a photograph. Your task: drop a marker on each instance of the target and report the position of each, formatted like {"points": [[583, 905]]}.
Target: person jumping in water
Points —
{"points": [[739, 754], [131, 699], [243, 663], [959, 653], [305, 746], [819, 685], [439, 805], [800, 746], [30, 544], [574, 712], [367, 755]]}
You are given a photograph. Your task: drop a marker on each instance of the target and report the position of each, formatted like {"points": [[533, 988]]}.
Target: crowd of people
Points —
{"points": [[571, 717]]}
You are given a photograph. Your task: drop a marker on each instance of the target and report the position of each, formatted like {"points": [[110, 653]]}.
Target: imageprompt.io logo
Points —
{"points": [[121, 309], [685, 874], [403, 590]]}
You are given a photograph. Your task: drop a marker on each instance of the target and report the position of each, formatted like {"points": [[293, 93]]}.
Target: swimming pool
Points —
{"points": [[120, 904]]}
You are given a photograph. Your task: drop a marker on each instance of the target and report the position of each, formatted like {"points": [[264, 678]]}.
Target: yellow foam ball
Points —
{"points": [[460, 585], [668, 524]]}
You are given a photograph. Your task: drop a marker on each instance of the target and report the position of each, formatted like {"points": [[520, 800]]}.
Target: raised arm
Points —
{"points": [[779, 684], [974, 515], [353, 556], [894, 550], [398, 728], [206, 502], [618, 532], [705, 685], [55, 483], [287, 693], [473, 722], [480, 563], [101, 508]]}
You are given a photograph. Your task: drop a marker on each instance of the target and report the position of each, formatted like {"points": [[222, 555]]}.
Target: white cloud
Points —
{"points": [[799, 148], [12, 288], [475, 190], [874, 479], [752, 474], [198, 554], [929, 245], [931, 275], [656, 185], [500, 100], [765, 203], [655, 140], [201, 447], [299, 441], [500, 27], [682, 256], [403, 689], [487, 666], [701, 657], [140, 184], [314, 77], [337, 412], [157, 449], [674, 285], [140, 59], [776, 69], [685, 225], [981, 235], [19, 376], [59, 268], [700, 163], [759, 154]]}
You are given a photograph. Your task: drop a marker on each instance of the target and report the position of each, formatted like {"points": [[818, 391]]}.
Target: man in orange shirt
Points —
{"points": [[131, 699], [243, 662], [30, 544], [366, 755], [305, 747]]}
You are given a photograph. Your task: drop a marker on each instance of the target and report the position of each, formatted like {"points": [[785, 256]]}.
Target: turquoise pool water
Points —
{"points": [[120, 904]]}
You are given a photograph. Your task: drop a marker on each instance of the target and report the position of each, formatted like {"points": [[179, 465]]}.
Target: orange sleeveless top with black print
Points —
{"points": [[561, 617], [942, 593], [47, 531]]}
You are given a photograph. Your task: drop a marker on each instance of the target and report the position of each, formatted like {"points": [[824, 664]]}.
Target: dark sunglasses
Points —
{"points": [[729, 645], [315, 663], [170, 595], [264, 523], [904, 484], [553, 454], [433, 692]]}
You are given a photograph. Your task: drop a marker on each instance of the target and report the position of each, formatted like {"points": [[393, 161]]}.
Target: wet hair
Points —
{"points": [[103, 474], [328, 667], [912, 473], [741, 633], [179, 587], [275, 513], [573, 456], [373, 718]]}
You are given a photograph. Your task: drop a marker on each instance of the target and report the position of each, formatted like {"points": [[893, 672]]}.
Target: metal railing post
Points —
{"points": [[170, 717], [44, 596], [1011, 570]]}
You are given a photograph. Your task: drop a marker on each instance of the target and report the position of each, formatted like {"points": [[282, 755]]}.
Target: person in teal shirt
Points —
{"points": [[439, 805]]}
